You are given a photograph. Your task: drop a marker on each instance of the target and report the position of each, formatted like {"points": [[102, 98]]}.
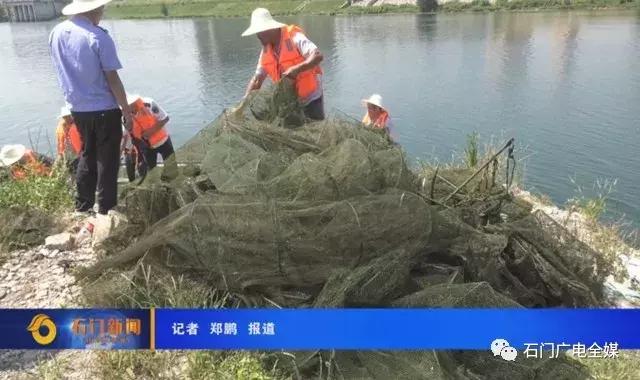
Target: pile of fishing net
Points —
{"points": [[328, 214]]}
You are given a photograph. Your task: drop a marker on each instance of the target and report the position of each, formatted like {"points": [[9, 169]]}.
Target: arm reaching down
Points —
{"points": [[254, 84]]}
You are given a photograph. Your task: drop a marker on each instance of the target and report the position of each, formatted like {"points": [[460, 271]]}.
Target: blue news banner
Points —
{"points": [[302, 329]]}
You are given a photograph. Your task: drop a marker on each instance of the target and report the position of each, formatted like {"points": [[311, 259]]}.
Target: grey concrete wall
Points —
{"points": [[25, 11], [45, 11]]}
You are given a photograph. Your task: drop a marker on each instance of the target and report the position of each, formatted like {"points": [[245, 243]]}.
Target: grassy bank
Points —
{"points": [[515, 5], [215, 8], [142, 9], [29, 208]]}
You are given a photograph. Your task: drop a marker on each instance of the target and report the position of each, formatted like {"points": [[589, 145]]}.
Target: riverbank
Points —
{"points": [[21, 276], [49, 275], [149, 9]]}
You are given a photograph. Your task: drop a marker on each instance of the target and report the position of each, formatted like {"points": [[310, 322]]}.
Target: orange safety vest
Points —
{"points": [[380, 123], [144, 120], [29, 163], [68, 138], [274, 66]]}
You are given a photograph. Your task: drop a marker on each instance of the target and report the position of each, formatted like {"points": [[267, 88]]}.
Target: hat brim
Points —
{"points": [[365, 102], [255, 29], [78, 8], [4, 162], [7, 163]]}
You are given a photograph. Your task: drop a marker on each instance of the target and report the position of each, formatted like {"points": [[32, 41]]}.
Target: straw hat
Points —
{"points": [[261, 20], [375, 99], [64, 111], [83, 6], [10, 154]]}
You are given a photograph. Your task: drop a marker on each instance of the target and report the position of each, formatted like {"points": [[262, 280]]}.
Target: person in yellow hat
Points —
{"points": [[287, 52]]}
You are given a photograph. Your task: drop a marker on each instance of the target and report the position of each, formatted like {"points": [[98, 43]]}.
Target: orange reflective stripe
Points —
{"points": [[60, 137], [144, 120], [306, 81], [74, 138]]}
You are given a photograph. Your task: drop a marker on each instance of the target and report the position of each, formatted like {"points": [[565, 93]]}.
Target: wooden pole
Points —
{"points": [[507, 145]]}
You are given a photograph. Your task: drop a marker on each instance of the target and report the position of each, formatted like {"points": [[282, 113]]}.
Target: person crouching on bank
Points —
{"points": [[149, 126]]}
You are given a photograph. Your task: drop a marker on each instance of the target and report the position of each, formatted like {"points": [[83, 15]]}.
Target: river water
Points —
{"points": [[566, 85]]}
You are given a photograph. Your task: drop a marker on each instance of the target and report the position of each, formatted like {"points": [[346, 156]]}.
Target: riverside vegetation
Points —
{"points": [[240, 8]]}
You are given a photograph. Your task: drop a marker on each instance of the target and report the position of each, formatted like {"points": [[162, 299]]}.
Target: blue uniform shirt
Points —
{"points": [[81, 53]]}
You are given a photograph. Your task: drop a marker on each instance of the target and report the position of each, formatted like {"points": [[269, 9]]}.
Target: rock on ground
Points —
{"points": [[63, 241], [42, 278]]}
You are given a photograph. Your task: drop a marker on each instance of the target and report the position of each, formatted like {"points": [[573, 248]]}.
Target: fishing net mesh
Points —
{"points": [[328, 214]]}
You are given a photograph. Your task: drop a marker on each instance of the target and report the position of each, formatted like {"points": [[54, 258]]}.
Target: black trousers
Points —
{"points": [[134, 159], [165, 150], [101, 133], [315, 109], [151, 154]]}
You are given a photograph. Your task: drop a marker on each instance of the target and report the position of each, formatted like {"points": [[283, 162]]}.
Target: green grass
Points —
{"points": [[471, 150], [47, 193], [214, 8], [141, 9], [146, 287], [592, 204], [52, 369], [381, 9], [625, 367], [483, 5], [29, 207], [194, 365]]}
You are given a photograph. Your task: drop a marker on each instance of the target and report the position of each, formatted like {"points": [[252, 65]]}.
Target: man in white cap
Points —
{"points": [[377, 116], [287, 52], [86, 63]]}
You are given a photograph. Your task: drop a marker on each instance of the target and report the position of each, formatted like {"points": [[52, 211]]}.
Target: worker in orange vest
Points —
{"points": [[149, 127], [377, 115], [287, 52], [69, 141], [23, 162]]}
